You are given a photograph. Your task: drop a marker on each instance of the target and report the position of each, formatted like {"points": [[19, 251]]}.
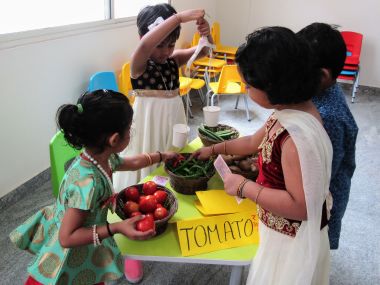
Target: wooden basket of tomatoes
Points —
{"points": [[187, 175], [156, 202]]}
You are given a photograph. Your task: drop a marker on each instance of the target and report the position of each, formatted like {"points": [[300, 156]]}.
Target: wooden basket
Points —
{"points": [[249, 174], [188, 186], [220, 127], [171, 204]]}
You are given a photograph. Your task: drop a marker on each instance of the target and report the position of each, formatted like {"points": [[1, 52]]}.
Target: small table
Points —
{"points": [[166, 248]]}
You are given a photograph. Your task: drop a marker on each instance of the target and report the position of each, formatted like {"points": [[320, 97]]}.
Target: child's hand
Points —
{"points": [[167, 155], [203, 153], [191, 15], [203, 27], [128, 228], [231, 183]]}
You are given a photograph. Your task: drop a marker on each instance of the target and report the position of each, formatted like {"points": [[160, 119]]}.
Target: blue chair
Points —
{"points": [[103, 80]]}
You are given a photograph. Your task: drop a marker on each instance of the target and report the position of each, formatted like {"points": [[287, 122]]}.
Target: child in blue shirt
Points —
{"points": [[330, 53]]}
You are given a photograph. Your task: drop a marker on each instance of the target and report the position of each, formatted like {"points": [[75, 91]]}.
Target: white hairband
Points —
{"points": [[158, 21]]}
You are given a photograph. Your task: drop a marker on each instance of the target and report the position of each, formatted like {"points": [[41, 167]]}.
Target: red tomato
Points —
{"points": [[134, 214], [160, 213], [131, 207], [142, 197], [148, 204], [149, 187], [150, 215], [132, 193], [160, 196], [145, 224]]}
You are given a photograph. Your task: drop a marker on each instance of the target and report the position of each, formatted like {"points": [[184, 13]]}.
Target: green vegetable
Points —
{"points": [[218, 136], [192, 168], [209, 134]]}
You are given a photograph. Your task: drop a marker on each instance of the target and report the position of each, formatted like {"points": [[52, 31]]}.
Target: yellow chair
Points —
{"points": [[212, 65], [229, 83], [125, 84], [196, 84], [184, 89], [222, 51]]}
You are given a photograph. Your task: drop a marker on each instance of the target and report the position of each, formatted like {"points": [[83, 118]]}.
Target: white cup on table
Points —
{"points": [[211, 115], [180, 135]]}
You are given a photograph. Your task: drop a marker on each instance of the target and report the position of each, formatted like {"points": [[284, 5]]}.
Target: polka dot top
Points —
{"points": [[158, 76]]}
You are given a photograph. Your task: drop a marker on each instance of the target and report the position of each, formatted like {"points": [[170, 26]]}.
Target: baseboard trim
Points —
{"points": [[26, 188]]}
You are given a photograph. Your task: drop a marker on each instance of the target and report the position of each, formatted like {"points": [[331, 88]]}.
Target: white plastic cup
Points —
{"points": [[211, 115], [180, 135]]}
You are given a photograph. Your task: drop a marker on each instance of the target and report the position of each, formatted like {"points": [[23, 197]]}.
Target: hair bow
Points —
{"points": [[158, 21]]}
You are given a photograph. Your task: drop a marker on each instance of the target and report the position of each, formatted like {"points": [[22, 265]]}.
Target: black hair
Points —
{"points": [[328, 46], [148, 16], [276, 61], [97, 115]]}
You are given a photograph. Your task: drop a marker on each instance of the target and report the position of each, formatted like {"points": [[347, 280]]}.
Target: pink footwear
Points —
{"points": [[133, 270]]}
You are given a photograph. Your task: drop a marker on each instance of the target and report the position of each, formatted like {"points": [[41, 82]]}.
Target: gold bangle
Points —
{"points": [[258, 193], [149, 158], [178, 18], [213, 150]]}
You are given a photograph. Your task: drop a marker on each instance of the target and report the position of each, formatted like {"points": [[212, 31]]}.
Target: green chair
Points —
{"points": [[60, 153]]}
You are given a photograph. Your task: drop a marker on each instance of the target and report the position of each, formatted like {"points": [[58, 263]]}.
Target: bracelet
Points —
{"points": [[239, 189], [242, 188], [213, 150], [109, 229], [160, 155], [95, 236], [178, 18], [149, 158], [258, 193]]}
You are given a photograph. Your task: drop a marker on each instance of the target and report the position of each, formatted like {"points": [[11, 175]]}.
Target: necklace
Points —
{"points": [[162, 77], [97, 164]]}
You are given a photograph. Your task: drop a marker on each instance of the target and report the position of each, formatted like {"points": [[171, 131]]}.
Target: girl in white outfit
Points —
{"points": [[155, 81], [295, 155]]}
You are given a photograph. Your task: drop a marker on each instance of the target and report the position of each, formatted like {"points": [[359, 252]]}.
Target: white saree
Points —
{"points": [[304, 259]]}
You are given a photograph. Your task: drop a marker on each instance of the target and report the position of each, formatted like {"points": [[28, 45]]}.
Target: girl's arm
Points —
{"points": [[73, 234], [139, 161], [290, 203], [182, 56], [154, 37], [241, 146]]}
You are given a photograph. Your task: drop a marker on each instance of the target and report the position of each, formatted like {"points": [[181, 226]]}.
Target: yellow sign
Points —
{"points": [[217, 232], [216, 202]]}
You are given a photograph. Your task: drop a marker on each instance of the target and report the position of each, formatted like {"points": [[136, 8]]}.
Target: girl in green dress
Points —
{"points": [[71, 239]]}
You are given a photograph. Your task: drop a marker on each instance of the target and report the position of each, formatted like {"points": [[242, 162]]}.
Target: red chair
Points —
{"points": [[351, 67], [354, 46]]}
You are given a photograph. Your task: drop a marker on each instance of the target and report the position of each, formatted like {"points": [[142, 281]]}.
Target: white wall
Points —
{"points": [[36, 78], [189, 28], [360, 16]]}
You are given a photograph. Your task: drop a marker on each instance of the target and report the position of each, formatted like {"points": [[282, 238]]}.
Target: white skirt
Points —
{"points": [[272, 265], [152, 130]]}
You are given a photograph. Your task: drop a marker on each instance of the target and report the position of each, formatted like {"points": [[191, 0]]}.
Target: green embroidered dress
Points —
{"points": [[83, 187]]}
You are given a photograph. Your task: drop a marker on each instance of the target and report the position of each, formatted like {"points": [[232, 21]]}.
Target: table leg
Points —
{"points": [[236, 274]]}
